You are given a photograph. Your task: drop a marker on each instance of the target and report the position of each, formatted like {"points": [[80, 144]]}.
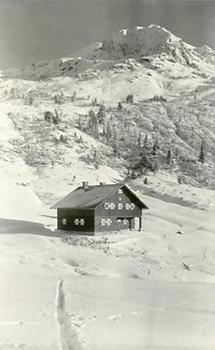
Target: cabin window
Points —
{"points": [[80, 221], [76, 222], [64, 221], [109, 221], [129, 206], [120, 206], [105, 222], [109, 205], [120, 191], [132, 206]]}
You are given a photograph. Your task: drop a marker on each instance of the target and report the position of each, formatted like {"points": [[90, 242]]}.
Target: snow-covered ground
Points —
{"points": [[131, 290]]}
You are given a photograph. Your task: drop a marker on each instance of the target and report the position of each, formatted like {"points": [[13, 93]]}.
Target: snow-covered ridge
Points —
{"points": [[206, 53], [205, 50]]}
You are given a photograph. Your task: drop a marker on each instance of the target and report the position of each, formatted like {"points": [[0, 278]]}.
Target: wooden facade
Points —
{"points": [[91, 209], [76, 220]]}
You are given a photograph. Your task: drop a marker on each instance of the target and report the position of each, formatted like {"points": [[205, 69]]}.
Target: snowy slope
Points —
{"points": [[150, 290], [131, 290], [179, 122]]}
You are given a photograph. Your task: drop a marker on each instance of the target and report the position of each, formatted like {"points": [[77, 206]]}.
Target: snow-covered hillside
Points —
{"points": [[133, 290], [179, 123]]}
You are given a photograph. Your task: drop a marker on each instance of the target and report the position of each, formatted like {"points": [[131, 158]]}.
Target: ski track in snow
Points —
{"points": [[68, 336]]}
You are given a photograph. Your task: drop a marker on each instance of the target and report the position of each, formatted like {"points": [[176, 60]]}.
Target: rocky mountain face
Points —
{"points": [[141, 42]]}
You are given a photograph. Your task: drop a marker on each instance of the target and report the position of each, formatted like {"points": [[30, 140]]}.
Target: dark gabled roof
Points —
{"points": [[93, 196]]}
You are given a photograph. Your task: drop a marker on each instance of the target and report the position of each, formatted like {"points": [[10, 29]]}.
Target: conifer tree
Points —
{"points": [[145, 181], [139, 140], [115, 144], [108, 131], [155, 167], [202, 153], [145, 155], [155, 147], [79, 123], [56, 117], [31, 100], [130, 98], [73, 96], [96, 162], [145, 143], [119, 107], [169, 157], [94, 102], [59, 98], [91, 114], [92, 121], [101, 114]]}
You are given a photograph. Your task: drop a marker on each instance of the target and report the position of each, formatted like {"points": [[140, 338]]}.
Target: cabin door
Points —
{"points": [[124, 223]]}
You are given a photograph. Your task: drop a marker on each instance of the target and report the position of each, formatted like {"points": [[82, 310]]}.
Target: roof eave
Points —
{"points": [[57, 207], [143, 205]]}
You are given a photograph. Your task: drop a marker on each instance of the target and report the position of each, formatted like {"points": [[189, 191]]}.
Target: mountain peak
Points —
{"points": [[137, 42]]}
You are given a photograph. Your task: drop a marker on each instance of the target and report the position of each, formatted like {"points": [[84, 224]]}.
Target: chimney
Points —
{"points": [[85, 185], [101, 183]]}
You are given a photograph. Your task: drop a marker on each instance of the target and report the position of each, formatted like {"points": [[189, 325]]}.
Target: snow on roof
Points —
{"points": [[93, 196]]}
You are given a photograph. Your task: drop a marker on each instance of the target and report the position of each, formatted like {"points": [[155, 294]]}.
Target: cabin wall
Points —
{"points": [[76, 220], [117, 212]]}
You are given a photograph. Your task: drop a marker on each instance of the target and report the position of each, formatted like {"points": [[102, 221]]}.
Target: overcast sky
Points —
{"points": [[32, 30]]}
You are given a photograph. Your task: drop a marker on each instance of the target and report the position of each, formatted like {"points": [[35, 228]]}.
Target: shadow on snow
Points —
{"points": [[10, 226]]}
